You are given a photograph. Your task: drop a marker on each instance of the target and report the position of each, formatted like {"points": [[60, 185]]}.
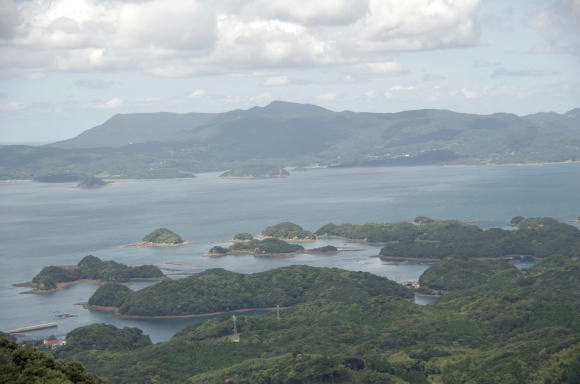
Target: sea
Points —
{"points": [[57, 224]]}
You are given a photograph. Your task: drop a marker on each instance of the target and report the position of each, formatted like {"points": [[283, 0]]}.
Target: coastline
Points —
{"points": [[286, 239], [127, 180], [193, 315], [141, 244], [62, 285]]}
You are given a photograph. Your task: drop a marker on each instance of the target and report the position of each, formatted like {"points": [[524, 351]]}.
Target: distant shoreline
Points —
{"points": [[128, 180], [193, 315]]}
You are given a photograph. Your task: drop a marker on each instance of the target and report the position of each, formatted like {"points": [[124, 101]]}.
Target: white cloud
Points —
{"points": [[370, 93], [198, 93], [186, 37], [469, 93], [559, 24], [277, 80], [115, 102], [11, 106], [384, 67], [329, 96], [401, 88]]}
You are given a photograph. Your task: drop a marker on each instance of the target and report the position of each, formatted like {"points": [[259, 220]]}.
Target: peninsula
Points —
{"points": [[89, 269], [218, 290]]}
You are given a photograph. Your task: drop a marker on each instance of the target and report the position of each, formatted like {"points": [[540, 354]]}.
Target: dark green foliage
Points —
{"points": [[218, 290], [539, 237], [92, 182], [110, 295], [256, 171], [520, 327], [244, 236], [372, 232], [456, 273], [267, 246], [20, 364], [423, 220], [104, 337], [217, 250], [324, 249], [288, 230], [49, 276], [93, 268], [163, 236]]}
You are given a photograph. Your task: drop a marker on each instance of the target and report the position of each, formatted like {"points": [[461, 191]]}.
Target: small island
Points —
{"points": [[89, 269], [217, 290], [322, 250], [287, 231], [269, 247], [92, 182], [161, 237], [258, 171]]}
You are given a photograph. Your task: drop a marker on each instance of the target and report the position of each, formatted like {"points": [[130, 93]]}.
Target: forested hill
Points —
{"points": [[152, 145], [519, 327], [217, 290]]}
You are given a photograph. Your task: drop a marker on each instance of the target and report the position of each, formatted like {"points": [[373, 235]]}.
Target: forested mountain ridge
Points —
{"points": [[153, 145]]}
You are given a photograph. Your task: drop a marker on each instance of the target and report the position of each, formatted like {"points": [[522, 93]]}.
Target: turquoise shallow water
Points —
{"points": [[44, 224]]}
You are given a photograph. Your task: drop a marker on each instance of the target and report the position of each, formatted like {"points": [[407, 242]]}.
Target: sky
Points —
{"points": [[69, 65]]}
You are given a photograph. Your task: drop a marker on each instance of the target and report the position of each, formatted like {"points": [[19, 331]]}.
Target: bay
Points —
{"points": [[58, 224]]}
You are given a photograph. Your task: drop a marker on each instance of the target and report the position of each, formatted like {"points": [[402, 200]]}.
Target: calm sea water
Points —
{"points": [[57, 224]]}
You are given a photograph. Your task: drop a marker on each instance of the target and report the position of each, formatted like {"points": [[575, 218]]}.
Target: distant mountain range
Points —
{"points": [[157, 145]]}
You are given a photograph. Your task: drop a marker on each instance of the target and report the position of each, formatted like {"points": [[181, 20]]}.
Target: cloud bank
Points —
{"points": [[189, 37]]}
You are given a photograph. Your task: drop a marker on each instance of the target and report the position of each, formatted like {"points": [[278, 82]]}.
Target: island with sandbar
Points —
{"points": [[89, 269], [161, 237], [217, 291]]}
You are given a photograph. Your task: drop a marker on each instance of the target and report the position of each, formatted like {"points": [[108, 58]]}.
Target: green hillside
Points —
{"points": [[218, 290], [159, 145], [521, 327]]}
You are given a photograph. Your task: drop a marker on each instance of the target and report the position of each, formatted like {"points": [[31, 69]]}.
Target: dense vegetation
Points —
{"points": [[218, 290], [110, 295], [244, 236], [269, 246], [163, 236], [104, 337], [288, 230], [519, 327], [289, 134], [257, 171], [454, 273], [93, 268], [92, 182], [436, 239], [22, 364], [324, 249]]}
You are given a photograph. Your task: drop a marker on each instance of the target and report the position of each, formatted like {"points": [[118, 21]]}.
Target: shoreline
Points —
{"points": [[286, 239], [141, 244], [62, 285], [115, 313], [115, 181]]}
